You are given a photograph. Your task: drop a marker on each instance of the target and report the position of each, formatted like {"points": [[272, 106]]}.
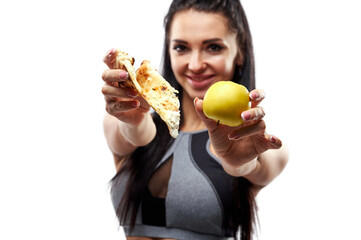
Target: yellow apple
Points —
{"points": [[224, 102]]}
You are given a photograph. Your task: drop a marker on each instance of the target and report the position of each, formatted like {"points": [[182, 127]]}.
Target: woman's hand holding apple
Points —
{"points": [[239, 147]]}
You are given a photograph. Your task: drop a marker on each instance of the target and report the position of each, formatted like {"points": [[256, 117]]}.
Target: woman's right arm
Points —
{"points": [[128, 123], [123, 138]]}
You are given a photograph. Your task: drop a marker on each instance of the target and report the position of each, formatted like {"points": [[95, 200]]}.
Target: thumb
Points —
{"points": [[109, 58], [198, 105]]}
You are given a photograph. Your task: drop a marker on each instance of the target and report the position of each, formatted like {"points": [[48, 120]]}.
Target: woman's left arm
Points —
{"points": [[268, 166], [247, 150]]}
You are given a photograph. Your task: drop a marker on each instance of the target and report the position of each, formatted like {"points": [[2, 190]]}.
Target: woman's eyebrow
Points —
{"points": [[179, 41], [212, 40]]}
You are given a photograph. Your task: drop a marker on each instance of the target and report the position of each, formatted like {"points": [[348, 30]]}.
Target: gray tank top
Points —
{"points": [[199, 198]]}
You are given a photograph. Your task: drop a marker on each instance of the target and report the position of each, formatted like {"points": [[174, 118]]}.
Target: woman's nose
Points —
{"points": [[196, 62]]}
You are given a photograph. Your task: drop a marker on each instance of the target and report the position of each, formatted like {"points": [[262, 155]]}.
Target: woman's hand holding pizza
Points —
{"points": [[121, 102]]}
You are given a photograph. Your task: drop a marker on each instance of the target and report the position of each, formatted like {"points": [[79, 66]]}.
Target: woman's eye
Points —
{"points": [[214, 48], [180, 48]]}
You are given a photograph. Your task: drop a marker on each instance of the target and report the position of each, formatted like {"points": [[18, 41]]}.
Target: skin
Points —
{"points": [[203, 51]]}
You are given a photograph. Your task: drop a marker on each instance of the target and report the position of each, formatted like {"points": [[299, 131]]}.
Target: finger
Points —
{"points": [[117, 107], [115, 92], [115, 75], [109, 58], [243, 132], [256, 96], [210, 124], [253, 114], [273, 142]]}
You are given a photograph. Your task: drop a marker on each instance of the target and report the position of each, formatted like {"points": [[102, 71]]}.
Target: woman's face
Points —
{"points": [[202, 50]]}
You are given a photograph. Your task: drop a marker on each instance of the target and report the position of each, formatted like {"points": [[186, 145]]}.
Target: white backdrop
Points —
{"points": [[54, 162]]}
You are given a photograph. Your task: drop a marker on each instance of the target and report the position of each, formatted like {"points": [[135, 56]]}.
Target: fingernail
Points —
{"points": [[273, 139], [123, 75], [254, 96], [246, 116], [195, 100], [110, 53], [135, 104], [131, 93]]}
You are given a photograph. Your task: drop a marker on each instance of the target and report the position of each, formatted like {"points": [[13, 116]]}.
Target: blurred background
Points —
{"points": [[55, 166]]}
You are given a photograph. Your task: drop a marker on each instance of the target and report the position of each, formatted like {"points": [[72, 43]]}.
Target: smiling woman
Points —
{"points": [[55, 163], [201, 185], [203, 50], [303, 43]]}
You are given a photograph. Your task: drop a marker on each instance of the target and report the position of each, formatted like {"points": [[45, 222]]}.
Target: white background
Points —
{"points": [[55, 165]]}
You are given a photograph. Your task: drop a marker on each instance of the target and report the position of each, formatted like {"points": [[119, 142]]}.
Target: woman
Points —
{"points": [[201, 185]]}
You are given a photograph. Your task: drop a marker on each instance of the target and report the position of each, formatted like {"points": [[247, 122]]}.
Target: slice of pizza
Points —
{"points": [[150, 85], [160, 95]]}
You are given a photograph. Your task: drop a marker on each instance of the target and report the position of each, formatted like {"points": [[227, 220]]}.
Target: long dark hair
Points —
{"points": [[140, 165]]}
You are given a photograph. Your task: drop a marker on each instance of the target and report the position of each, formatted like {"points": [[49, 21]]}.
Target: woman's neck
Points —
{"points": [[190, 121]]}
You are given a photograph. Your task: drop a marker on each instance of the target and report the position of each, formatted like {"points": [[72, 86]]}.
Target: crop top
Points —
{"points": [[199, 197]]}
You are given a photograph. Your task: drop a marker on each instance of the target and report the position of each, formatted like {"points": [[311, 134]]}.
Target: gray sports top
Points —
{"points": [[199, 198]]}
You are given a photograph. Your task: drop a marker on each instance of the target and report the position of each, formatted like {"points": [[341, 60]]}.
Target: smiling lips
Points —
{"points": [[200, 81]]}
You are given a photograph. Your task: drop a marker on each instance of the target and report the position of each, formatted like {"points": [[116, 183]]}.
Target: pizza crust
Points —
{"points": [[150, 85]]}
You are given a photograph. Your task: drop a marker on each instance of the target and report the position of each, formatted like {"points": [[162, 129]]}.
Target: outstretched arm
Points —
{"points": [[128, 123], [247, 150]]}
